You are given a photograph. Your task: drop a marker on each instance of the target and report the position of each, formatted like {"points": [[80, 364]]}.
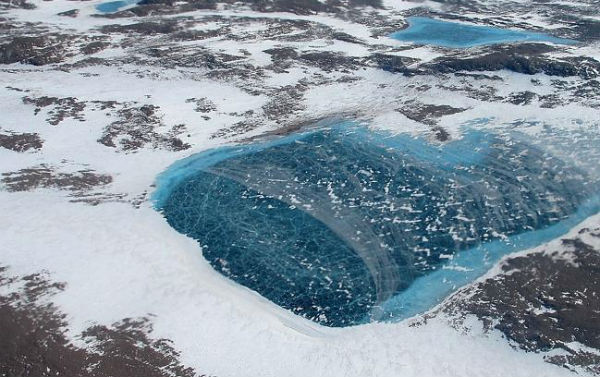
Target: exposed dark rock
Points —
{"points": [[590, 362], [512, 60], [145, 28], [440, 134], [211, 4], [5, 23], [550, 101], [203, 105], [330, 61], [586, 93], [195, 57], [87, 62], [588, 29], [20, 142], [244, 73], [15, 89], [528, 49], [543, 301], [286, 30], [62, 108], [285, 102], [237, 129], [147, 7], [43, 176], [366, 3], [282, 58], [302, 7], [197, 35], [136, 128], [427, 113], [480, 76], [38, 50], [23, 4], [282, 53], [522, 98], [96, 198], [345, 37], [482, 92], [392, 63], [589, 89], [70, 13], [34, 341], [94, 47], [581, 28]]}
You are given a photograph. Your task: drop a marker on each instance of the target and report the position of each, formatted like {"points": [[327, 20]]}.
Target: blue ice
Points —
{"points": [[344, 225]]}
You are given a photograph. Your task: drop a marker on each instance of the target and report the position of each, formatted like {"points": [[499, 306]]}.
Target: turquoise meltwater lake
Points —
{"points": [[114, 6], [344, 225], [429, 31]]}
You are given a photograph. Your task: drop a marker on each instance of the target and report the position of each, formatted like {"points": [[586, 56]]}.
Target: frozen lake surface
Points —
{"points": [[114, 6], [430, 31], [344, 225]]}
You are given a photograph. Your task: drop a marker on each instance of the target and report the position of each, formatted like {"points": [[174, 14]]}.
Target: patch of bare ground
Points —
{"points": [[60, 108], [137, 127], [427, 113], [20, 142], [545, 301], [34, 341], [44, 176]]}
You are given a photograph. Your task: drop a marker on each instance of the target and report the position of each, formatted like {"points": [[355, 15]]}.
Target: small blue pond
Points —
{"points": [[114, 6], [344, 225], [431, 31]]}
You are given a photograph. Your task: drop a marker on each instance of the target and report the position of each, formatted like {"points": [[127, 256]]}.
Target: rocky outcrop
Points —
{"points": [[44, 176], [392, 63], [59, 108], [427, 113], [34, 340], [527, 59], [145, 28], [36, 50], [545, 301], [20, 142], [136, 128]]}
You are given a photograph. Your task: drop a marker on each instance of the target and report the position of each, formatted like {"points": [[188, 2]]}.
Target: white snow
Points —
{"points": [[122, 262]]}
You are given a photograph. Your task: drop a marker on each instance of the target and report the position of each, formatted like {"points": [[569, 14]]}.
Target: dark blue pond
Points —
{"points": [[113, 6], [424, 30], [344, 226]]}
